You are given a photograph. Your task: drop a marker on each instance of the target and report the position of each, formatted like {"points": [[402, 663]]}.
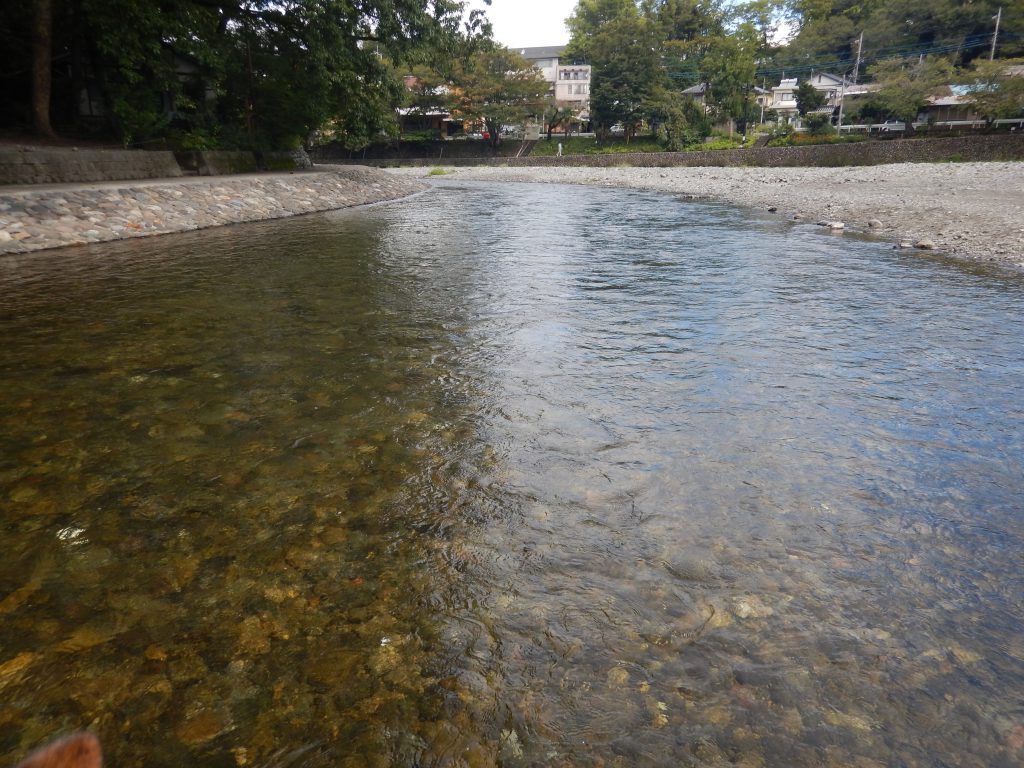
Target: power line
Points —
{"points": [[970, 43], [693, 74]]}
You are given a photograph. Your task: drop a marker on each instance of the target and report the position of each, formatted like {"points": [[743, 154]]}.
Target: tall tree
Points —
{"points": [[686, 20], [259, 71], [627, 72], [499, 87], [828, 31], [590, 17], [42, 55], [906, 87], [996, 90], [729, 68], [808, 98]]}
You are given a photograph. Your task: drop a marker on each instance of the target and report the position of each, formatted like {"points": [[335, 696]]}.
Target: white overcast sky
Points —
{"points": [[522, 23], [528, 23]]}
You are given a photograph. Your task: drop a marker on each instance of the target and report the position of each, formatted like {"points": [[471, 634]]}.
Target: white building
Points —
{"points": [[569, 84], [784, 99]]}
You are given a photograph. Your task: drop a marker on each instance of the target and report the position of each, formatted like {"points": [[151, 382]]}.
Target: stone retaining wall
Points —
{"points": [[46, 166], [432, 151], [217, 162], [31, 220], [1001, 147]]}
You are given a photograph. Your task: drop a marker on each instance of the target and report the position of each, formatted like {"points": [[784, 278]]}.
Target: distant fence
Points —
{"points": [[1008, 146]]}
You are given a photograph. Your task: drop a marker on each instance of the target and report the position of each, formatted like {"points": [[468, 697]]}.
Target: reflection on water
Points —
{"points": [[517, 476]]}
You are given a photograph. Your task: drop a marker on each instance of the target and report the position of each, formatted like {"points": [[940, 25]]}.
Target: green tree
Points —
{"points": [[685, 20], [828, 30], [764, 18], [42, 56], [264, 72], [557, 113], [819, 125], [680, 120], [588, 18], [905, 87], [499, 87], [427, 92], [729, 68], [995, 90], [627, 73], [809, 98]]}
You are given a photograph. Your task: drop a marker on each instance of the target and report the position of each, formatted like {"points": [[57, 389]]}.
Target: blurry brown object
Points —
{"points": [[79, 750]]}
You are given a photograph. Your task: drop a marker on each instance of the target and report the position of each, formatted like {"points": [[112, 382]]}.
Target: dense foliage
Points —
{"points": [[652, 57], [498, 87], [828, 31], [253, 73], [272, 73]]}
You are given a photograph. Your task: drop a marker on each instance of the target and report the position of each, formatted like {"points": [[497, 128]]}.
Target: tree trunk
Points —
{"points": [[42, 55]]}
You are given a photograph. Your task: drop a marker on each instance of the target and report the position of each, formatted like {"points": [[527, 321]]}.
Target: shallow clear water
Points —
{"points": [[522, 475]]}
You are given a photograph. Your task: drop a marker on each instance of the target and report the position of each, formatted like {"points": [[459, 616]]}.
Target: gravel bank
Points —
{"points": [[51, 216], [971, 210]]}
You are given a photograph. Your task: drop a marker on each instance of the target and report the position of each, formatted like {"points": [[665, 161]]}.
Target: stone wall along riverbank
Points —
{"points": [[997, 147], [39, 165], [32, 219]]}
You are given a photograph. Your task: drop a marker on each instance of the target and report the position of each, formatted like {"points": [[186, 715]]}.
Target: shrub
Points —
{"points": [[586, 145], [819, 125], [719, 142], [421, 136]]}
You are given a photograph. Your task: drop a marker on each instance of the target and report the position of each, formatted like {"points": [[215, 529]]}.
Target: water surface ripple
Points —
{"points": [[522, 475]]}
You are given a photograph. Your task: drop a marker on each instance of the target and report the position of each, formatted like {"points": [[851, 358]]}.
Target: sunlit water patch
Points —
{"points": [[524, 475]]}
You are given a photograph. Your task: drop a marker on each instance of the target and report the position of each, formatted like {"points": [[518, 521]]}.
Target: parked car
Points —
{"points": [[893, 125]]}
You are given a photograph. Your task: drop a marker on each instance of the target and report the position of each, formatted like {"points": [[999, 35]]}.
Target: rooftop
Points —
{"points": [[542, 52]]}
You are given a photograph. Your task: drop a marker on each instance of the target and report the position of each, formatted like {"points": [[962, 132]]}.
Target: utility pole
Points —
{"points": [[860, 47], [995, 35], [842, 98]]}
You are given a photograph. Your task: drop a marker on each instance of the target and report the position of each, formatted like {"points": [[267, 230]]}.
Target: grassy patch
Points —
{"points": [[587, 145], [808, 140], [438, 172], [718, 142]]}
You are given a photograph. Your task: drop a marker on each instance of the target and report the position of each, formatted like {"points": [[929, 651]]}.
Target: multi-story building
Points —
{"points": [[784, 95], [569, 84]]}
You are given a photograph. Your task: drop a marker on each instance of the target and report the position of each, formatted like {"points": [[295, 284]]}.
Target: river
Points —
{"points": [[516, 475]]}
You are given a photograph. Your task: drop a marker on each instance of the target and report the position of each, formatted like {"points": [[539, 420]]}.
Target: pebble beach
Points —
{"points": [[969, 210]]}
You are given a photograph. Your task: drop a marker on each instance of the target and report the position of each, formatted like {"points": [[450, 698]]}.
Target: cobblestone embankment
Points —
{"points": [[34, 218]]}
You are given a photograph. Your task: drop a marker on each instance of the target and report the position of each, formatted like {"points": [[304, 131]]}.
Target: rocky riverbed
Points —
{"points": [[971, 210], [50, 216]]}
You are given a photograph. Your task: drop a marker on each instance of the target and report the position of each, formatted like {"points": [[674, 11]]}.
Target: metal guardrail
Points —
{"points": [[1012, 123]]}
